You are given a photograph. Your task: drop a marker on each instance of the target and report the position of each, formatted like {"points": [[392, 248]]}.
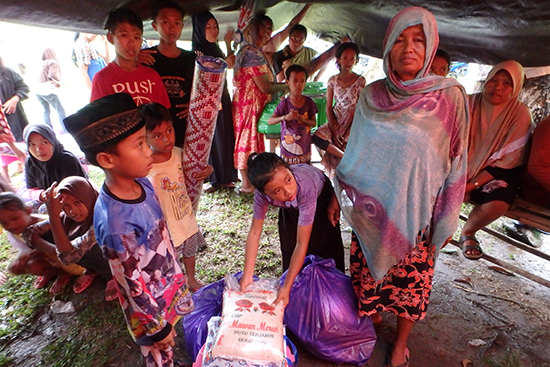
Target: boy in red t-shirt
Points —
{"points": [[124, 74]]}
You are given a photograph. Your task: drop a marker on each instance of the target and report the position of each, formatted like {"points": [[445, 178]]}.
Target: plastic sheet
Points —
{"points": [[322, 313], [480, 31]]}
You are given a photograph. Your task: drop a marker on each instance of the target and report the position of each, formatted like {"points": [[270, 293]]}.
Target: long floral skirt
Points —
{"points": [[404, 290]]}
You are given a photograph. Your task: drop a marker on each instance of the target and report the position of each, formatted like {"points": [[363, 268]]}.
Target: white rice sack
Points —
{"points": [[251, 328]]}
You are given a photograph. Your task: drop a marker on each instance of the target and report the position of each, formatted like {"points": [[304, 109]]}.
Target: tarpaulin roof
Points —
{"points": [[483, 31]]}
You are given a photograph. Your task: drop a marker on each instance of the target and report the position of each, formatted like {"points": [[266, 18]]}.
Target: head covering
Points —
{"points": [[499, 134], [46, 132], [249, 54], [199, 41], [104, 122], [423, 82], [402, 178], [62, 163], [83, 190]]}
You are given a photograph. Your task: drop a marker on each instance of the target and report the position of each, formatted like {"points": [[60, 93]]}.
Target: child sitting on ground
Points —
{"points": [[15, 218], [130, 227], [71, 212], [124, 74], [308, 216], [168, 180], [296, 114], [48, 162]]}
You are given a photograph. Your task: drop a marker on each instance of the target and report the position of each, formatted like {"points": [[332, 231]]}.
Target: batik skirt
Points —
{"points": [[404, 290]]}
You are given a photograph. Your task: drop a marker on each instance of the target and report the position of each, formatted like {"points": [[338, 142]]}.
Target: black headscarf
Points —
{"points": [[62, 163], [199, 41]]}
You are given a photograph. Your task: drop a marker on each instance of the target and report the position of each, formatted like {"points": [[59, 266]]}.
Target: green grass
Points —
{"points": [[96, 175], [226, 232], [20, 302], [90, 341], [510, 360]]}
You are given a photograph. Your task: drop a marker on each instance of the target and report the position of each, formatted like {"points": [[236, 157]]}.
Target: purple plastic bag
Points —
{"points": [[208, 303], [322, 313]]}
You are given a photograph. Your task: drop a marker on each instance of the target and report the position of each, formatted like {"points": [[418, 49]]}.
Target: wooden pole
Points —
{"points": [[511, 268]]}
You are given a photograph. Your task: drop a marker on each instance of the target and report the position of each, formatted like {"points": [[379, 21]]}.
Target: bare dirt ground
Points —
{"points": [[508, 315]]}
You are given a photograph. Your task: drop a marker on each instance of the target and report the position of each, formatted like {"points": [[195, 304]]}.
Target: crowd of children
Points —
{"points": [[133, 129]]}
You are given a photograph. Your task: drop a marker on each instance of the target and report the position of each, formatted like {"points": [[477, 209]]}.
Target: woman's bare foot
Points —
{"points": [[194, 285], [111, 292], [399, 357]]}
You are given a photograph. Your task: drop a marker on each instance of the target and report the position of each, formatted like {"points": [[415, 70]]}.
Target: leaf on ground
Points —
{"points": [[501, 270], [466, 281]]}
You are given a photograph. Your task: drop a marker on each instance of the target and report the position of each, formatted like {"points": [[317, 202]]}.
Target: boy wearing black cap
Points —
{"points": [[129, 224]]}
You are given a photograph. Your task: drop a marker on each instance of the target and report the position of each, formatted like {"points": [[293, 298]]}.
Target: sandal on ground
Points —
{"points": [[467, 249], [405, 364], [111, 292], [83, 282], [41, 281], [60, 283], [247, 191]]}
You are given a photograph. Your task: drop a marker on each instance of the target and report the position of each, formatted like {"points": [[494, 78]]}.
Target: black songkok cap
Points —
{"points": [[104, 122]]}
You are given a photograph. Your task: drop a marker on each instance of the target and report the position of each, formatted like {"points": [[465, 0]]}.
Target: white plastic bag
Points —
{"points": [[251, 328]]}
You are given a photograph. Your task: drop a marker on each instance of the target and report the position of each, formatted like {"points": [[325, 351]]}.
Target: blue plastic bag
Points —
{"points": [[322, 313], [208, 303]]}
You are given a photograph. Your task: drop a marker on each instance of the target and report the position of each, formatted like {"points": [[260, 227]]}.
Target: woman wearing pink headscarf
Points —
{"points": [[401, 182], [499, 132]]}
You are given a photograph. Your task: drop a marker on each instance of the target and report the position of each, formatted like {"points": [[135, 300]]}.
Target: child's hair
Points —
{"points": [[12, 202], [444, 54], [295, 68], [123, 15], [346, 46], [49, 54], [261, 168], [343, 47], [262, 18], [298, 28], [165, 4], [154, 115]]}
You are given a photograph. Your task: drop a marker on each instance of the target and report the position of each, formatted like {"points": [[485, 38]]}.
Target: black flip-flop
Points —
{"points": [[466, 248]]}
